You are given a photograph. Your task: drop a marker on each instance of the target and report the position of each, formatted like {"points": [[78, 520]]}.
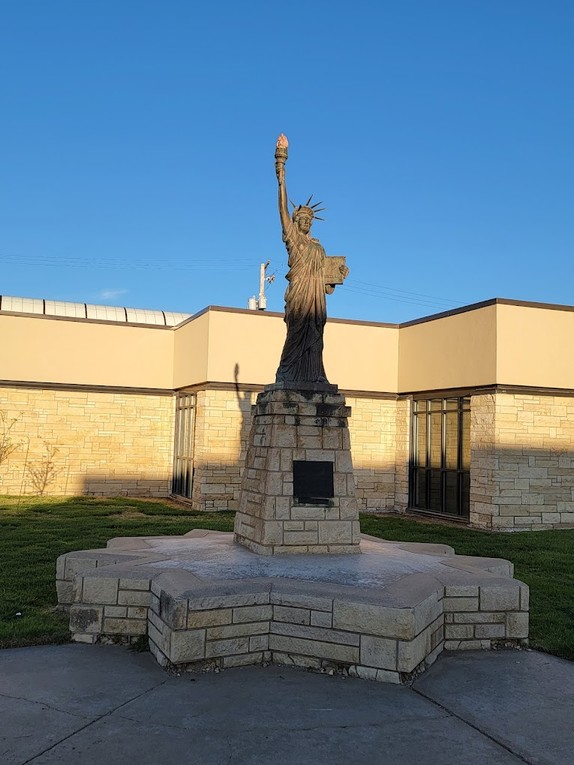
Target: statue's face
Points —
{"points": [[304, 223]]}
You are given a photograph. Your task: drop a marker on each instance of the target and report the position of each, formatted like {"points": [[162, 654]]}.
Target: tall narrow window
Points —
{"points": [[182, 482], [440, 460]]}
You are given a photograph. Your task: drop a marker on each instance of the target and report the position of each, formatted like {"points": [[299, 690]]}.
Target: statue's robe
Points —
{"points": [[305, 309]]}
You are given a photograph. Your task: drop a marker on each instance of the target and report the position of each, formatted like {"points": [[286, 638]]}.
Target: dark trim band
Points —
{"points": [[476, 390], [209, 385], [79, 387]]}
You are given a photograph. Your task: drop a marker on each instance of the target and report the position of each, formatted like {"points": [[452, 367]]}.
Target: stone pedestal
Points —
{"points": [[205, 602], [298, 488]]}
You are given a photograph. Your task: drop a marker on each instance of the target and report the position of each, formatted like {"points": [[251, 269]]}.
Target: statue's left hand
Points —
{"points": [[344, 271]]}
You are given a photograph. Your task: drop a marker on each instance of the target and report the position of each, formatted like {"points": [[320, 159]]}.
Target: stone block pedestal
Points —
{"points": [[205, 602], [298, 488]]}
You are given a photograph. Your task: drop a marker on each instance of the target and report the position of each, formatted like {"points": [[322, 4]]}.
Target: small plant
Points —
{"points": [[7, 442], [43, 472]]}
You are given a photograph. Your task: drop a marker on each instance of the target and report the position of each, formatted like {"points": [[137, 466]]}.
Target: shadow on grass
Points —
{"points": [[34, 531]]}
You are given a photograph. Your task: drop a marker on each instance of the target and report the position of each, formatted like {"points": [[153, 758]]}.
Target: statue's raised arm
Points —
{"points": [[281, 155]]}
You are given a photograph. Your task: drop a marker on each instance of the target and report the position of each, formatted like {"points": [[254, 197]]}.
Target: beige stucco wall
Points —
{"points": [[251, 340], [362, 357], [356, 356], [497, 344], [191, 349], [534, 346], [213, 346], [206, 348], [451, 352], [106, 443], [502, 344], [43, 349]]}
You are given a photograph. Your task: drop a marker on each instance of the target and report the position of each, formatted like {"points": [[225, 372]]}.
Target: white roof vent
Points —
{"points": [[91, 311]]}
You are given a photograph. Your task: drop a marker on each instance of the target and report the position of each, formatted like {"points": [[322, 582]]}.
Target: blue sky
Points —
{"points": [[137, 141]]}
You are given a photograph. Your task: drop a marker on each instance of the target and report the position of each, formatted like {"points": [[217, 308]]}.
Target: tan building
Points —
{"points": [[468, 414]]}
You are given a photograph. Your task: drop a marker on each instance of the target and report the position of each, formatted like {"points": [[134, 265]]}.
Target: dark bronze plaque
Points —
{"points": [[313, 482]]}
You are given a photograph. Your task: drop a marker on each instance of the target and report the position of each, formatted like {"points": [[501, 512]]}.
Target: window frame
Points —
{"points": [[439, 477], [184, 443]]}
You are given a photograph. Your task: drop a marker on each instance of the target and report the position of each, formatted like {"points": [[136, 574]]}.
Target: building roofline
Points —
{"points": [[333, 320], [412, 322], [81, 320], [486, 304]]}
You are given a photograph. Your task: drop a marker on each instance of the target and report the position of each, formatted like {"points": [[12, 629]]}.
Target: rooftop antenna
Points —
{"points": [[260, 303]]}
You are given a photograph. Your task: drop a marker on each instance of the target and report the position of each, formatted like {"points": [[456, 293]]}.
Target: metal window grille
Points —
{"points": [[182, 481], [439, 480]]}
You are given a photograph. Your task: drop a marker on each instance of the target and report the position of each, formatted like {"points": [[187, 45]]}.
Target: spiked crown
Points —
{"points": [[307, 209]]}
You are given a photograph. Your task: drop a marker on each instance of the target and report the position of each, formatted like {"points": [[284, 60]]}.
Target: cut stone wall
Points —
{"points": [[522, 461], [112, 444], [120, 443], [195, 616], [222, 423], [379, 430], [402, 454], [102, 444], [483, 462], [276, 516]]}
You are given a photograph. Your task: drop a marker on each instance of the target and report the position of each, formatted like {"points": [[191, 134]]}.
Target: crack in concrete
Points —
{"points": [[44, 704], [92, 722], [474, 727]]}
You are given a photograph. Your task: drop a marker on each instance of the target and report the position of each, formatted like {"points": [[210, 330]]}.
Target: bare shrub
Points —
{"points": [[43, 472], [8, 444]]}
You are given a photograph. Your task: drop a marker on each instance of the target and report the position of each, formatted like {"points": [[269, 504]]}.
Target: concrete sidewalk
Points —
{"points": [[106, 704]]}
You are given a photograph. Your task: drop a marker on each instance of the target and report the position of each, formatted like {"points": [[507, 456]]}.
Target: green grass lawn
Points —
{"points": [[34, 531]]}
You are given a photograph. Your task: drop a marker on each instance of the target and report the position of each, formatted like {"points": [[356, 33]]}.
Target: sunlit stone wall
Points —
{"points": [[522, 462], [379, 431], [72, 442]]}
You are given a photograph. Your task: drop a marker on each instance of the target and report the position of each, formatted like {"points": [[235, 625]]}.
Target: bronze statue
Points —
{"points": [[312, 274]]}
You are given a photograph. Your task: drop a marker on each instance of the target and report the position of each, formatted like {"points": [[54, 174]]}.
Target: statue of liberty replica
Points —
{"points": [[297, 487], [311, 276]]}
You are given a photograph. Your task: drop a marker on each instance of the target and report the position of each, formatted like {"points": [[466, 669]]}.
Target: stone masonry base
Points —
{"points": [[202, 600], [291, 429]]}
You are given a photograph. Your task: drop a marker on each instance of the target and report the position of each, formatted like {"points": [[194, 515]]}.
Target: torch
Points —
{"points": [[281, 152]]}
